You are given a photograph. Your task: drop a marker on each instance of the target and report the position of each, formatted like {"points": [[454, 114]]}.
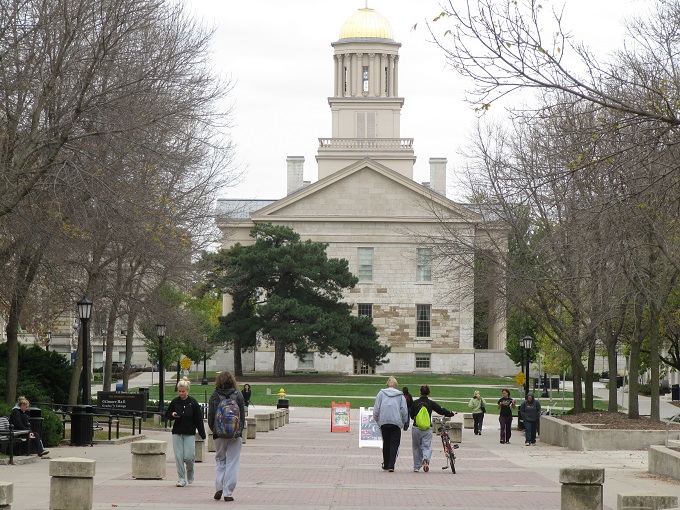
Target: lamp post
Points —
{"points": [[49, 339], [160, 331], [84, 314], [526, 343], [204, 381]]}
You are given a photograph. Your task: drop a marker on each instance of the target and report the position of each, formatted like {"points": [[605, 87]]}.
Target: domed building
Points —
{"points": [[367, 207]]}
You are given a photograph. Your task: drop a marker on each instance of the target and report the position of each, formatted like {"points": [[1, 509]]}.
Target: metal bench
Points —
{"points": [[10, 437]]}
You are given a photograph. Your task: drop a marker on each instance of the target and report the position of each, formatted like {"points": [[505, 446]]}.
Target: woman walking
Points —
{"points": [[506, 405], [186, 412], [421, 438], [227, 450], [391, 414], [531, 413], [478, 406]]}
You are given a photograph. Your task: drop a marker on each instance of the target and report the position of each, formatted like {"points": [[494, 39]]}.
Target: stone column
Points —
{"points": [[148, 459], [272, 421], [581, 488], [72, 483], [383, 64], [200, 449], [251, 430], [346, 75], [395, 78], [371, 75], [287, 418], [645, 501], [211, 442], [6, 495], [262, 421]]}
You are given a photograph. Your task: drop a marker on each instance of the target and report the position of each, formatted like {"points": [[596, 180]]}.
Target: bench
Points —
{"points": [[10, 437]]}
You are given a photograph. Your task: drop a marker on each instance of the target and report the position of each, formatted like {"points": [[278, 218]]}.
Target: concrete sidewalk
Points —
{"points": [[304, 465]]}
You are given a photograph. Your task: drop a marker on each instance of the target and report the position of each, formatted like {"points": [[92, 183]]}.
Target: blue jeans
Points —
{"points": [[530, 431]]}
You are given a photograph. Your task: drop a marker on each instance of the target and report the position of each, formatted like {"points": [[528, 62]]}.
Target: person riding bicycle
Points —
{"points": [[421, 440]]}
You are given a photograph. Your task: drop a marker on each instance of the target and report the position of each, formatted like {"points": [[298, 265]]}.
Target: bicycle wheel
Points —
{"points": [[448, 451]]}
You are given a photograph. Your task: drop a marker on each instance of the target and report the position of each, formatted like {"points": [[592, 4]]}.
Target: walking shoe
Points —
{"points": [[383, 466], [527, 444], [391, 470], [180, 484], [190, 480], [426, 465], [228, 498], [533, 444], [502, 442], [44, 452], [218, 495], [415, 470]]}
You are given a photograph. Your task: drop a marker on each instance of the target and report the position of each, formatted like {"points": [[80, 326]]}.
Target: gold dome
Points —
{"points": [[366, 24]]}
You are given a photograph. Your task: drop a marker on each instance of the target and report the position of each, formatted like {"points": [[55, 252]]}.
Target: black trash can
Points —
{"points": [[35, 421], [283, 403], [619, 381], [675, 392], [82, 432], [145, 415]]}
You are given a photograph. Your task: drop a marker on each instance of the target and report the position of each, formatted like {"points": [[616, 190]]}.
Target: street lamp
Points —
{"points": [[204, 382], [84, 314], [160, 332], [526, 343]]}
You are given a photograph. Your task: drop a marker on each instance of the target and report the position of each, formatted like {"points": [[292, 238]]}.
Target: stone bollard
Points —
{"points": [[287, 418], [468, 421], [581, 488], [6, 495], [148, 459], [72, 483], [200, 447], [272, 421], [281, 417], [251, 428], [645, 501], [211, 442], [262, 421]]}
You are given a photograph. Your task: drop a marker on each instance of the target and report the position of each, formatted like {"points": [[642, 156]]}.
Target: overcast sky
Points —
{"points": [[279, 55]]}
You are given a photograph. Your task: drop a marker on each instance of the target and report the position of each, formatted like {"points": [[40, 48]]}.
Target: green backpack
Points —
{"points": [[422, 420]]}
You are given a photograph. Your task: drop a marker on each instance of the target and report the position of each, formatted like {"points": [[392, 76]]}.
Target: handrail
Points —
{"points": [[668, 424]]}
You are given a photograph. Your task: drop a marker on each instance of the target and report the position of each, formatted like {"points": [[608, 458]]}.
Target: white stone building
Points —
{"points": [[367, 207]]}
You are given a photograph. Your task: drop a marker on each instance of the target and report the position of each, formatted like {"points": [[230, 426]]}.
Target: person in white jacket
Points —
{"points": [[391, 414]]}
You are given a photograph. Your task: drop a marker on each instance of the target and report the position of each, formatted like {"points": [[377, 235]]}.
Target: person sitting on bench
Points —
{"points": [[19, 420]]}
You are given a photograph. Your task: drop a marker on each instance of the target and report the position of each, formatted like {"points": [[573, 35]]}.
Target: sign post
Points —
{"points": [[339, 416]]}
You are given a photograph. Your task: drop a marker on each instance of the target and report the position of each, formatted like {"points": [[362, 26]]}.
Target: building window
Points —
{"points": [[365, 269], [306, 361], [366, 124], [364, 75], [422, 360], [423, 321], [424, 265], [365, 310]]}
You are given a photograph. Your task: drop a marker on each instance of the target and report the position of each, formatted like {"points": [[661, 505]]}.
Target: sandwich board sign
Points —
{"points": [[369, 431]]}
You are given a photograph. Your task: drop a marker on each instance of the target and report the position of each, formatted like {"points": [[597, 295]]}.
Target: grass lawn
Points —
{"points": [[452, 392]]}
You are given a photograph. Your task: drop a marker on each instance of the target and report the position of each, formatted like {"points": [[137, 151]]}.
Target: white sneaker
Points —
{"points": [[527, 444]]}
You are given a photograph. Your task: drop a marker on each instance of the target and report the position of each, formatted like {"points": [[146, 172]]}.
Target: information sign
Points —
{"points": [[121, 401], [339, 416], [369, 434]]}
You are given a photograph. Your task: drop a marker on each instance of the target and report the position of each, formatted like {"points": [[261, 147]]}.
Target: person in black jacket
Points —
{"points": [[409, 400], [227, 451], [421, 440], [186, 412], [19, 420], [247, 392]]}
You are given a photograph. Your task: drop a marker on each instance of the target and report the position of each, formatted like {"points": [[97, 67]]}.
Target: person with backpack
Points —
{"points": [[421, 435], [188, 417], [391, 415], [226, 419], [478, 406]]}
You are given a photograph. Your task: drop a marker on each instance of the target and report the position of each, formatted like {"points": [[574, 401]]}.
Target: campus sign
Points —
{"points": [[121, 401]]}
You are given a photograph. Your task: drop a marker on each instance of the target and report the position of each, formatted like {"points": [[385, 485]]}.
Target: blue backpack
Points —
{"points": [[227, 418]]}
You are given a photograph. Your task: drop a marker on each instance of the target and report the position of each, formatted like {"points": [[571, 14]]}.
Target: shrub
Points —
{"points": [[645, 389]]}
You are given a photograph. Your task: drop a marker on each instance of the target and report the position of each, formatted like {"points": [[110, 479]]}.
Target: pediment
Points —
{"points": [[367, 190]]}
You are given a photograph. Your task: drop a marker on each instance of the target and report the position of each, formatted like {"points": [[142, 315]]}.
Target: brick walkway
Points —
{"points": [[304, 465]]}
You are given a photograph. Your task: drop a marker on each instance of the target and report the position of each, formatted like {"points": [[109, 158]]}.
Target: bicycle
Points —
{"points": [[449, 447]]}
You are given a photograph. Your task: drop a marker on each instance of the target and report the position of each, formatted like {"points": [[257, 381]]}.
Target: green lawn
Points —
{"points": [[452, 392]]}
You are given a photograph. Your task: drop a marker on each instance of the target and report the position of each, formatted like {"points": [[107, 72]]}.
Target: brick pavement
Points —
{"points": [[304, 465]]}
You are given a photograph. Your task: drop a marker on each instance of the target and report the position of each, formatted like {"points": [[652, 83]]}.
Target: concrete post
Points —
{"points": [[280, 417], [6, 495], [72, 483], [200, 447], [647, 501], [468, 421], [581, 488], [148, 459], [262, 421], [211, 442], [272, 421], [287, 419], [251, 430]]}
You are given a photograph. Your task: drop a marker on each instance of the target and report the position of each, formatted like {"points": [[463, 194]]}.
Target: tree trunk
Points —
{"points": [[77, 368], [633, 374], [578, 390], [588, 378], [129, 337], [279, 358], [655, 413], [12, 330], [238, 361], [612, 360]]}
